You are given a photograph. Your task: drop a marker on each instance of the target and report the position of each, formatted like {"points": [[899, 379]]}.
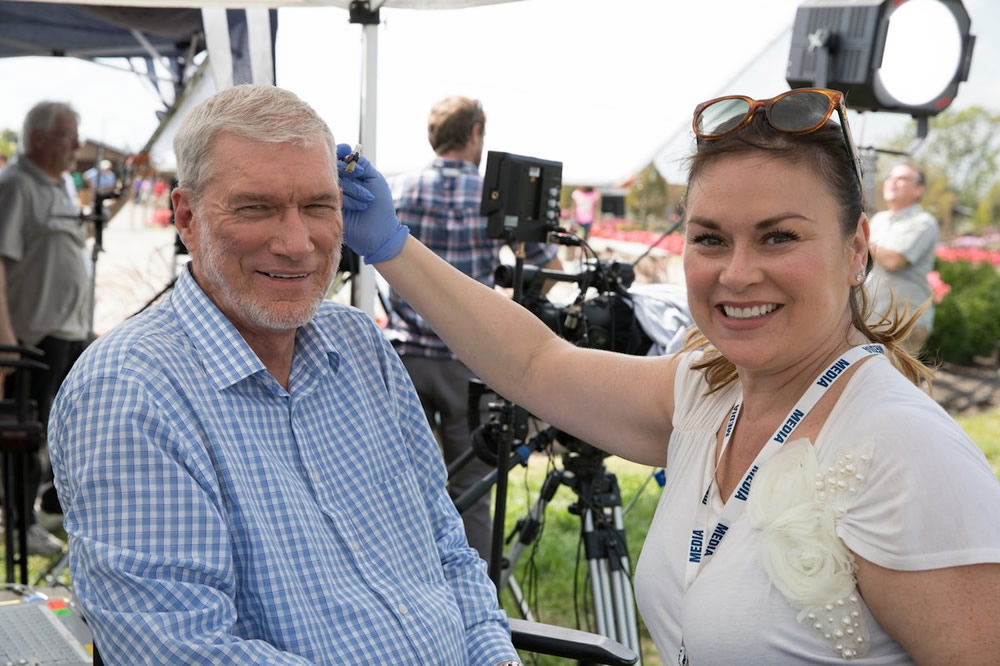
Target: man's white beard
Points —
{"points": [[250, 308]]}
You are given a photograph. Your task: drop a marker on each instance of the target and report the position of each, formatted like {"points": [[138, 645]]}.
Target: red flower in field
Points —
{"points": [[938, 286], [974, 255]]}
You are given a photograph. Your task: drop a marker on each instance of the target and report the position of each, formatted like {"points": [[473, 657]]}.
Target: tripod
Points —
{"points": [[599, 507]]}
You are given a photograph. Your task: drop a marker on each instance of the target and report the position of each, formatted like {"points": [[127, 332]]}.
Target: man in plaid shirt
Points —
{"points": [[440, 204]]}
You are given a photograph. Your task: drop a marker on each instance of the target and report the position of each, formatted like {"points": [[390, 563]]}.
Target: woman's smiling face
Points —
{"points": [[768, 267]]}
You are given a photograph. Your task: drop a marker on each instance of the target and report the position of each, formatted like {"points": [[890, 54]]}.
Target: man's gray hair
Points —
{"points": [[921, 176], [42, 118], [256, 112]]}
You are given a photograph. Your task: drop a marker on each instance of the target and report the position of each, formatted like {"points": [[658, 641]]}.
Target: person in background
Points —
{"points": [[440, 204], [160, 190], [138, 188], [586, 208], [247, 473], [102, 180], [79, 183], [44, 279], [71, 191], [903, 240], [819, 507]]}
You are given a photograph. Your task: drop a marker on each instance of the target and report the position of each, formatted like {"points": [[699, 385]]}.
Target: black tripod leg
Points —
{"points": [[607, 559]]}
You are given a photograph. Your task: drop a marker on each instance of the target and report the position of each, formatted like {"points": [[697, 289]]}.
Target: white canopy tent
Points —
{"points": [[547, 34], [606, 88], [259, 46]]}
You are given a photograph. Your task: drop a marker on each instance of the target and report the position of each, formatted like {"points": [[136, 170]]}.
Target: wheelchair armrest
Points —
{"points": [[25, 354], [25, 350], [569, 643], [22, 363]]}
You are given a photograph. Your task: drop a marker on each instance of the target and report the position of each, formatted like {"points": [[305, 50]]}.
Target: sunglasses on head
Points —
{"points": [[798, 111]]}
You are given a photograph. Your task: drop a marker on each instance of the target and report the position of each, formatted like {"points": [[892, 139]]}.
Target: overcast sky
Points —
{"points": [[601, 86]]}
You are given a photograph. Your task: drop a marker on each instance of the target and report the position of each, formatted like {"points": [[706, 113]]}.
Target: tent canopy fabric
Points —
{"points": [[104, 28], [245, 4], [57, 29]]}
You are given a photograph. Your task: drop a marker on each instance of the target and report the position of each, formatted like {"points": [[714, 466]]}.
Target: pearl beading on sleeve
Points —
{"points": [[841, 623]]}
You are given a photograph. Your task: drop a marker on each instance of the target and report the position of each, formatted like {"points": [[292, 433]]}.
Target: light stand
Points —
{"points": [[21, 435]]}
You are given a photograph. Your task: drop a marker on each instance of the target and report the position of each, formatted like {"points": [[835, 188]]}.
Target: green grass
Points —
{"points": [[984, 429]]}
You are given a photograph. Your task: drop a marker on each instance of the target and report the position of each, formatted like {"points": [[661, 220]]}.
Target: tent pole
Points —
{"points": [[363, 286]]}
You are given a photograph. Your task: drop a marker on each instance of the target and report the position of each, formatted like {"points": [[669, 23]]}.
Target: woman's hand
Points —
{"points": [[371, 227]]}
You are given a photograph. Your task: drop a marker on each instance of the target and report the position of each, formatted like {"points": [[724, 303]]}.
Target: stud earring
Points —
{"points": [[859, 276]]}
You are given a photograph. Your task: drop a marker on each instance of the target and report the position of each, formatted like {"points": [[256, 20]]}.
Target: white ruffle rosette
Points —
{"points": [[793, 507]]}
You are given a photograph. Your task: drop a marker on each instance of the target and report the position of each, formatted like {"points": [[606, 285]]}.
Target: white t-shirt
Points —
{"points": [[928, 499]]}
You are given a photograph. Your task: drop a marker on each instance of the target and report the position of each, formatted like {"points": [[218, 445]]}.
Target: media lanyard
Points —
{"points": [[703, 543]]}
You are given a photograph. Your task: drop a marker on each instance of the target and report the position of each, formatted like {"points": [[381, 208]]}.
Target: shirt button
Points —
{"points": [[315, 478], [355, 546], [402, 609]]}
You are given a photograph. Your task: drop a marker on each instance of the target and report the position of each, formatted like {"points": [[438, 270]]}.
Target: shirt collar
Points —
{"points": [[35, 171], [461, 165], [226, 356], [909, 211], [315, 351]]}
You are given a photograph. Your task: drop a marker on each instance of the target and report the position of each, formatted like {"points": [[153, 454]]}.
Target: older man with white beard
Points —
{"points": [[247, 472]]}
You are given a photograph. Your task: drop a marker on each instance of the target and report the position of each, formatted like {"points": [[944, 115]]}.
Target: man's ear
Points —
{"points": [[184, 217]]}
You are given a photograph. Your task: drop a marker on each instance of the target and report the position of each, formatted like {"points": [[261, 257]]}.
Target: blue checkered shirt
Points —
{"points": [[216, 518], [440, 204]]}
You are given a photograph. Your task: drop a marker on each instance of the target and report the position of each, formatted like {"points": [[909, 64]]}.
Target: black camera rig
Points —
{"points": [[605, 320], [521, 203]]}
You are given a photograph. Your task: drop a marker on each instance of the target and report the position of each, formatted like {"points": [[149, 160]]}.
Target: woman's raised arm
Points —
{"points": [[619, 403]]}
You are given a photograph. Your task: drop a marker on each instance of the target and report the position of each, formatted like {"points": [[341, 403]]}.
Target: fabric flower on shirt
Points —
{"points": [[792, 508]]}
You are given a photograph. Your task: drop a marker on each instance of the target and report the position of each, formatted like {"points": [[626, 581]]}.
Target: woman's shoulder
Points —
{"points": [[695, 407], [881, 399], [881, 412], [916, 483]]}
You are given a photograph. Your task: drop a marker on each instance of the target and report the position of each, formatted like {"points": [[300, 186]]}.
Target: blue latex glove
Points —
{"points": [[371, 227]]}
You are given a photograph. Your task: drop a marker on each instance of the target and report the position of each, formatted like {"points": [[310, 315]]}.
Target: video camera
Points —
{"points": [[521, 203], [603, 321], [606, 320]]}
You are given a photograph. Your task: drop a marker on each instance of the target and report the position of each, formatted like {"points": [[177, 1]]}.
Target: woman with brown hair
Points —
{"points": [[819, 506]]}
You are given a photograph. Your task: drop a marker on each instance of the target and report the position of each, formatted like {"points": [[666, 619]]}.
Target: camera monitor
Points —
{"points": [[521, 197]]}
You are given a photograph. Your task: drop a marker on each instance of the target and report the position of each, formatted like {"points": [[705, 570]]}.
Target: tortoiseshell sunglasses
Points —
{"points": [[798, 111]]}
